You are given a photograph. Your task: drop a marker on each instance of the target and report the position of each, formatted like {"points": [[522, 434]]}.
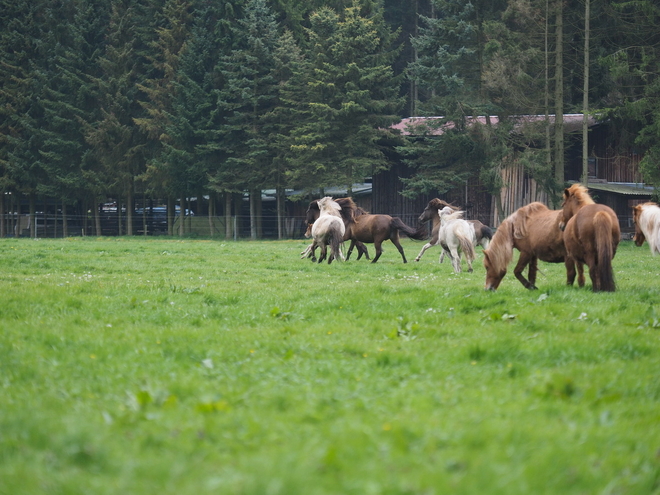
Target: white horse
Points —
{"points": [[329, 229], [647, 225], [478, 237], [456, 236]]}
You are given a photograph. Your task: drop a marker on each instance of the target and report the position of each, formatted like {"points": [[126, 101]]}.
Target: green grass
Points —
{"points": [[189, 367]]}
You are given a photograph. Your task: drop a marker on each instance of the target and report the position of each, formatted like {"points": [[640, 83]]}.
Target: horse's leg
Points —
{"points": [[570, 270], [524, 260], [324, 251], [362, 249], [469, 260], [442, 255], [580, 269], [350, 250], [594, 273], [455, 259], [421, 253], [395, 241], [379, 250]]}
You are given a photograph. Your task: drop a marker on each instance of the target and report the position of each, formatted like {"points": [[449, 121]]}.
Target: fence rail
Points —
{"points": [[52, 226]]}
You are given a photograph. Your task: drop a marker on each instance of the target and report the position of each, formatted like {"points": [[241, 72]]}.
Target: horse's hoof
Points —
{"points": [[470, 270]]}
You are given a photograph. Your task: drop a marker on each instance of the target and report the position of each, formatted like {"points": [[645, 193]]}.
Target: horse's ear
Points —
{"points": [[567, 193]]}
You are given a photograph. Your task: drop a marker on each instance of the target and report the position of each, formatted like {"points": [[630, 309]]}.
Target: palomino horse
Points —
{"points": [[365, 227], [456, 234], [534, 231], [647, 226], [482, 233], [329, 229], [591, 236], [313, 213]]}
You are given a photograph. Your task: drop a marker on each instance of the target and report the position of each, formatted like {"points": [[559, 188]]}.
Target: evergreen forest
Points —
{"points": [[162, 100]]}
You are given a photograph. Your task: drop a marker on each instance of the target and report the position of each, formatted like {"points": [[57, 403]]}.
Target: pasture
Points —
{"points": [[193, 366]]}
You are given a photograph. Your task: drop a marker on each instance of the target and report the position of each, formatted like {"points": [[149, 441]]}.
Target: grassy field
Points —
{"points": [[132, 366]]}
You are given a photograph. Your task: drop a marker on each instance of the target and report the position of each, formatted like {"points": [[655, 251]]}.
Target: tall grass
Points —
{"points": [[188, 367]]}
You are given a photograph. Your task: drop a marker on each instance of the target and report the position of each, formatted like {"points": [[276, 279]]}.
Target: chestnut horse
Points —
{"points": [[482, 233], [534, 231], [647, 226], [329, 229], [313, 213], [365, 227], [591, 236]]}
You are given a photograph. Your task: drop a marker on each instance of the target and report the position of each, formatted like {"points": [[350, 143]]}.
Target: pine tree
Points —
{"points": [[22, 52], [72, 43], [351, 99], [248, 94]]}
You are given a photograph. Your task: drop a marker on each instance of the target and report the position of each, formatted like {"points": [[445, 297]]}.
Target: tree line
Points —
{"points": [[173, 99]]}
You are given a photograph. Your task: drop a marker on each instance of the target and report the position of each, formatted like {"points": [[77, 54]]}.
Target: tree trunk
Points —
{"points": [[3, 226], [228, 222], [119, 215], [585, 99], [280, 212], [97, 217], [171, 211], [559, 97], [253, 215], [65, 222], [32, 218], [130, 202], [182, 214]]}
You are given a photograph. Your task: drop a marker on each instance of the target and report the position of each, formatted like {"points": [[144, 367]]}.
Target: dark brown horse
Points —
{"points": [[534, 231], [365, 227], [591, 236], [482, 233], [312, 215]]}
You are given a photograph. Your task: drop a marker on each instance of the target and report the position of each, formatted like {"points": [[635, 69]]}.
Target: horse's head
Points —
{"points": [[313, 212], [308, 232], [639, 234], [575, 197], [432, 208], [494, 275]]}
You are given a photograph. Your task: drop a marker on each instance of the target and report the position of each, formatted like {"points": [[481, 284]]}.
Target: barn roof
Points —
{"points": [[437, 125]]}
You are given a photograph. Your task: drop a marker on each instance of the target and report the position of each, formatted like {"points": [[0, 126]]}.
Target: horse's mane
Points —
{"points": [[439, 204], [448, 217], [349, 209], [500, 250], [520, 218], [580, 193], [329, 205]]}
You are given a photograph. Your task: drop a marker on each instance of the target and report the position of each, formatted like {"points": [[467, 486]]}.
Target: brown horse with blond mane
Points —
{"points": [[591, 236], [534, 231]]}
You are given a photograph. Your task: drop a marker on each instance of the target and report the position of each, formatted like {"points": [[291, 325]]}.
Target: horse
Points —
{"points": [[329, 229], [367, 227], [534, 231], [455, 235], [313, 213], [591, 236], [646, 218], [482, 233]]}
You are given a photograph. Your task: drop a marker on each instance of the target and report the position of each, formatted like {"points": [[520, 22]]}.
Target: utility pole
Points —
{"points": [[585, 100]]}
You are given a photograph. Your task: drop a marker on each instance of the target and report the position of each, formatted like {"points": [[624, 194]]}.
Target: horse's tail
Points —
{"points": [[418, 234], [465, 244], [486, 232], [336, 238], [605, 252]]}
